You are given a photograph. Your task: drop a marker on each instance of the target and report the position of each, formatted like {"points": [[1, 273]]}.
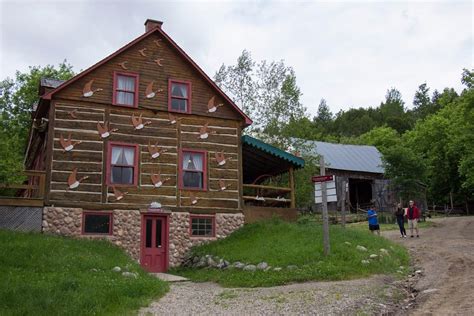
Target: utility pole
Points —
{"points": [[343, 205], [324, 201]]}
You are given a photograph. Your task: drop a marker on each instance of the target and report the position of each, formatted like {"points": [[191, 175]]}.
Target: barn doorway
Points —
{"points": [[360, 192]]}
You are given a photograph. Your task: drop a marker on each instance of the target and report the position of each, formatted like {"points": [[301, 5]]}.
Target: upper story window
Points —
{"points": [[179, 96], [125, 89], [193, 169], [123, 164]]}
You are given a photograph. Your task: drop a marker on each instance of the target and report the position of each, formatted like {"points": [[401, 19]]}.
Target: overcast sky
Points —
{"points": [[349, 52]]}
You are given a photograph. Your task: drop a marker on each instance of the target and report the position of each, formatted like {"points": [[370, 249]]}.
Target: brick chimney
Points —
{"points": [[152, 24]]}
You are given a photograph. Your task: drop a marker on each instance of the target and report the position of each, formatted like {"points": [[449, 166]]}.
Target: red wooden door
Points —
{"points": [[154, 243]]}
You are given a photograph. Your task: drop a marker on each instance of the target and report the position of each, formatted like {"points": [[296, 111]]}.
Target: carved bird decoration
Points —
{"points": [[67, 144], [173, 119], [155, 151], [220, 158], [157, 42], [223, 186], [104, 130], [119, 194], [138, 122], [211, 105], [142, 52], [87, 91], [158, 61], [123, 65], [204, 132], [72, 181], [193, 199], [149, 93], [73, 114], [157, 181]]}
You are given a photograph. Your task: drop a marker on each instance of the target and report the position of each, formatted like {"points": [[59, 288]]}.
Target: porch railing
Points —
{"points": [[28, 193], [268, 196]]}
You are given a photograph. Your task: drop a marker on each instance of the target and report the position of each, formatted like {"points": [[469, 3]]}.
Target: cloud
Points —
{"points": [[349, 53]]}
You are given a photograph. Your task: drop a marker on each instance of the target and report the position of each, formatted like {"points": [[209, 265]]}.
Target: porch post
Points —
{"points": [[292, 187]]}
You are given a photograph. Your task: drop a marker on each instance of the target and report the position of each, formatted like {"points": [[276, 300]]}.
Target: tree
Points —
{"points": [[422, 105], [17, 97], [393, 111], [383, 138]]}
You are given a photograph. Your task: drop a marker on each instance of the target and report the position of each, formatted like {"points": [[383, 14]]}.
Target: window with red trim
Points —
{"points": [[179, 96], [125, 89], [193, 169], [123, 164], [202, 226], [97, 223]]}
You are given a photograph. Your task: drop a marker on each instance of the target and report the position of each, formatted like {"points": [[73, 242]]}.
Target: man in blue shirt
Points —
{"points": [[373, 221]]}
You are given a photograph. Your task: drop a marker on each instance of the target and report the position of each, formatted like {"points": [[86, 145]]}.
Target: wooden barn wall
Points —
{"points": [[173, 67], [90, 158]]}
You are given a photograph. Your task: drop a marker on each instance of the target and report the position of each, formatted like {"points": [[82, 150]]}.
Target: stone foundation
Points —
{"points": [[127, 229]]}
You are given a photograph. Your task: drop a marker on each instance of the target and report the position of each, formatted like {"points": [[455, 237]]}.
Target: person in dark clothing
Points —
{"points": [[400, 214]]}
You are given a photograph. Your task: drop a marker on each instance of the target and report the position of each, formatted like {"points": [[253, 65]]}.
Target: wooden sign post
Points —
{"points": [[343, 204], [324, 208]]}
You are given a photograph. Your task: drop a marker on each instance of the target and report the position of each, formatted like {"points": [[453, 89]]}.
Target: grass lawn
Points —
{"points": [[50, 275], [392, 226], [281, 244]]}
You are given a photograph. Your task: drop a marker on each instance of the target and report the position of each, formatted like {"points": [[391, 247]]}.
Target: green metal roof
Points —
{"points": [[297, 162]]}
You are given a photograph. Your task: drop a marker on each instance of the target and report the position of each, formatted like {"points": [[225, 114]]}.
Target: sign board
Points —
{"points": [[330, 191], [322, 178]]}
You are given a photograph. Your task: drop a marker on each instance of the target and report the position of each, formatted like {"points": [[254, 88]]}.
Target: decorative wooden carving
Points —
{"points": [[138, 122], [193, 199], [158, 61], [123, 65], [155, 151], [149, 93], [73, 114], [211, 105], [205, 131], [220, 158], [104, 130], [223, 186], [142, 52], [157, 181], [87, 91], [157, 42], [173, 119], [118, 194], [67, 144], [72, 181]]}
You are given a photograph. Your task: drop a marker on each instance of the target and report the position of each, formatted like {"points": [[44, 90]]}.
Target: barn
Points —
{"points": [[358, 168]]}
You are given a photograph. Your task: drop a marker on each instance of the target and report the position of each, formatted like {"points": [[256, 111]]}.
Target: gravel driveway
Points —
{"points": [[444, 254]]}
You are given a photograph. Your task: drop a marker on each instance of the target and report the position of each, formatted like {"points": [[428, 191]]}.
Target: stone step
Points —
{"points": [[169, 277]]}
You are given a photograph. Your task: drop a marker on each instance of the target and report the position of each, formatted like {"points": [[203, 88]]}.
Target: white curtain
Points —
{"points": [[125, 84], [180, 90], [129, 156], [123, 156], [193, 161], [116, 153]]}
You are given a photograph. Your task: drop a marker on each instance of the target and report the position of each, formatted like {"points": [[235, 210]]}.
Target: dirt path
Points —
{"points": [[445, 254]]}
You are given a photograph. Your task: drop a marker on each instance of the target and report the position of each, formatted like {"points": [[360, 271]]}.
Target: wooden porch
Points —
{"points": [[29, 191]]}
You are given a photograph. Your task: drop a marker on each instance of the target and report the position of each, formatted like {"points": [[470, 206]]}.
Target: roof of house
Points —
{"points": [[349, 157], [158, 30], [298, 162], [51, 83]]}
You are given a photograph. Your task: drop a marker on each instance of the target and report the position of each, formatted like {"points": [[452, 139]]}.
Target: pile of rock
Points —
{"points": [[209, 261], [373, 256], [125, 273]]}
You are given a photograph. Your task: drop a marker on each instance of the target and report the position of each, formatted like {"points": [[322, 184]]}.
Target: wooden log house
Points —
{"points": [[145, 150]]}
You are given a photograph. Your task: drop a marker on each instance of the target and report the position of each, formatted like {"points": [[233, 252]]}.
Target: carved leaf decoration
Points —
{"points": [[87, 91], [73, 114], [193, 199], [142, 52], [211, 105], [220, 158], [223, 186], [157, 181], [173, 119], [205, 131], [159, 61], [155, 151], [157, 42], [119, 195], [72, 181]]}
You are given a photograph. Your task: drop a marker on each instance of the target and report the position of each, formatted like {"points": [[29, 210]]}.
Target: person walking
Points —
{"points": [[400, 215], [413, 215], [373, 221]]}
